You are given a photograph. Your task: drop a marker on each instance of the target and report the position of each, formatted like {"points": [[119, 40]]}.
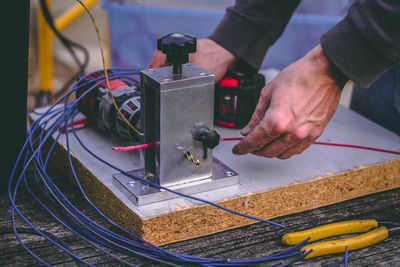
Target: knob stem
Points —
{"points": [[177, 69]]}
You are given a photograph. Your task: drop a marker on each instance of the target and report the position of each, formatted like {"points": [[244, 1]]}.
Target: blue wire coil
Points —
{"points": [[68, 215]]}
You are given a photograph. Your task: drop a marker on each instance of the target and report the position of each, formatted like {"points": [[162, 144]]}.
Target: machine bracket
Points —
{"points": [[142, 194]]}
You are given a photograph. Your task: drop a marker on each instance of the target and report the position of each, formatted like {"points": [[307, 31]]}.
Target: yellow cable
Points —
{"points": [[104, 67]]}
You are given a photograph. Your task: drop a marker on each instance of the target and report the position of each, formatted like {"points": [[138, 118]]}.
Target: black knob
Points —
{"points": [[209, 138], [177, 47]]}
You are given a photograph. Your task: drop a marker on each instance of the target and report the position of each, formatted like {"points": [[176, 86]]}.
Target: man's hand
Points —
{"points": [[210, 56], [294, 108]]}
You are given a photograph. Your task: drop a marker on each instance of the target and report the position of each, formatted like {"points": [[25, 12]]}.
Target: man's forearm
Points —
{"points": [[366, 43], [250, 27]]}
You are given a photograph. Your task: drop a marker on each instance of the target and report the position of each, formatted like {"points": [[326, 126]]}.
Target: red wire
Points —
{"points": [[127, 148], [84, 122], [360, 147], [231, 139], [240, 138], [78, 124]]}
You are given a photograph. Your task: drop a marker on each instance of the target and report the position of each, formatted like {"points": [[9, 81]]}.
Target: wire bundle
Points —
{"points": [[45, 132]]}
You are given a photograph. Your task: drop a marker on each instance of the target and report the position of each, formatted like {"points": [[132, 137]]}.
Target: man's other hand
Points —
{"points": [[210, 56], [294, 108]]}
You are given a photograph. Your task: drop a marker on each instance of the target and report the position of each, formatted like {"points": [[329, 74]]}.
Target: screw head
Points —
{"points": [[229, 173]]}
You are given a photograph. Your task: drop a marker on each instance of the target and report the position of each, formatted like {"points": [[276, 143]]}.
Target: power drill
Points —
{"points": [[236, 97], [98, 106]]}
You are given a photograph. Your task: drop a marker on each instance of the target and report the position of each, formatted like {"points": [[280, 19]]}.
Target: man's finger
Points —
{"points": [[255, 140], [275, 147], [297, 149], [259, 112], [288, 144]]}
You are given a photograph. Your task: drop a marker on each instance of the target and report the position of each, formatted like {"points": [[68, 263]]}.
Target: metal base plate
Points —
{"points": [[142, 194]]}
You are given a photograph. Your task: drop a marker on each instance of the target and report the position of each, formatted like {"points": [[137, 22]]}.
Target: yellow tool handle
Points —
{"points": [[327, 230], [353, 243]]}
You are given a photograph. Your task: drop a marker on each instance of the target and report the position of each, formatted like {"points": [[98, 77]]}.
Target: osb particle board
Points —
{"points": [[268, 187]]}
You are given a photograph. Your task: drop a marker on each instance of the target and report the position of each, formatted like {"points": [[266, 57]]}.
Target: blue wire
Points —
{"points": [[344, 259], [53, 216], [23, 171], [13, 196], [68, 145], [65, 122], [35, 228], [298, 258], [48, 123]]}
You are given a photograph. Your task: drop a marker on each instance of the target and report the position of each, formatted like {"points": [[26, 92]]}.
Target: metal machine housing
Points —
{"points": [[172, 107]]}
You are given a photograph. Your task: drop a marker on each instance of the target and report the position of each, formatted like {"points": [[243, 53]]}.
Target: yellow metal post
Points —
{"points": [[72, 14], [45, 52], [46, 46]]}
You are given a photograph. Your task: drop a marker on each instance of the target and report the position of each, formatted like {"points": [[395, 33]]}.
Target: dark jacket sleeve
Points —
{"points": [[250, 27], [366, 43]]}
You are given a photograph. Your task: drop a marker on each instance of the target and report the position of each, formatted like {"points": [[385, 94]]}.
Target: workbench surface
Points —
{"points": [[249, 241]]}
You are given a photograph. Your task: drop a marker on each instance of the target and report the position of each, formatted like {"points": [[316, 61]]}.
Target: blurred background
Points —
{"points": [[130, 28]]}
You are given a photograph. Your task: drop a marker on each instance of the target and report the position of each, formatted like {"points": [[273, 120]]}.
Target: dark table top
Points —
{"points": [[255, 240]]}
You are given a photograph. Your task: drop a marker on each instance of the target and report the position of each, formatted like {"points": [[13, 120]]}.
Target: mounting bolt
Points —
{"points": [[229, 173]]}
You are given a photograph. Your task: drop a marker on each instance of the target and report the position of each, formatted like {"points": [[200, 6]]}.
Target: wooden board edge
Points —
{"points": [[195, 221]]}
